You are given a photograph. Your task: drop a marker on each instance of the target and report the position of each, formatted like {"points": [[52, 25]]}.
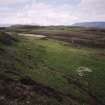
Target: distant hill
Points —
{"points": [[4, 25], [91, 24], [24, 26]]}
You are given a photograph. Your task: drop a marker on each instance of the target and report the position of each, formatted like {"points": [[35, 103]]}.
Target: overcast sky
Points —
{"points": [[51, 12]]}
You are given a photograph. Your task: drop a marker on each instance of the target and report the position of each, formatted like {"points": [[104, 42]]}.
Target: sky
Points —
{"points": [[51, 12]]}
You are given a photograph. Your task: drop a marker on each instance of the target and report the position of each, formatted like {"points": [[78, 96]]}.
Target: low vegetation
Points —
{"points": [[48, 72]]}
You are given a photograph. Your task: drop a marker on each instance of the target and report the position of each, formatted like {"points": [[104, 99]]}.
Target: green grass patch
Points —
{"points": [[50, 61]]}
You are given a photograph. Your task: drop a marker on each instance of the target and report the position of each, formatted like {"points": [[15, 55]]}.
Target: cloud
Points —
{"points": [[40, 13], [11, 2], [94, 6], [33, 12], [91, 10]]}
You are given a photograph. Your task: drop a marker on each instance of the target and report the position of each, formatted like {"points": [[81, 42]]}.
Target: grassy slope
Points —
{"points": [[63, 60], [52, 63]]}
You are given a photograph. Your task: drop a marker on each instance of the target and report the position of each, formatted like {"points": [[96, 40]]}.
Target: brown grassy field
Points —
{"points": [[78, 36]]}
